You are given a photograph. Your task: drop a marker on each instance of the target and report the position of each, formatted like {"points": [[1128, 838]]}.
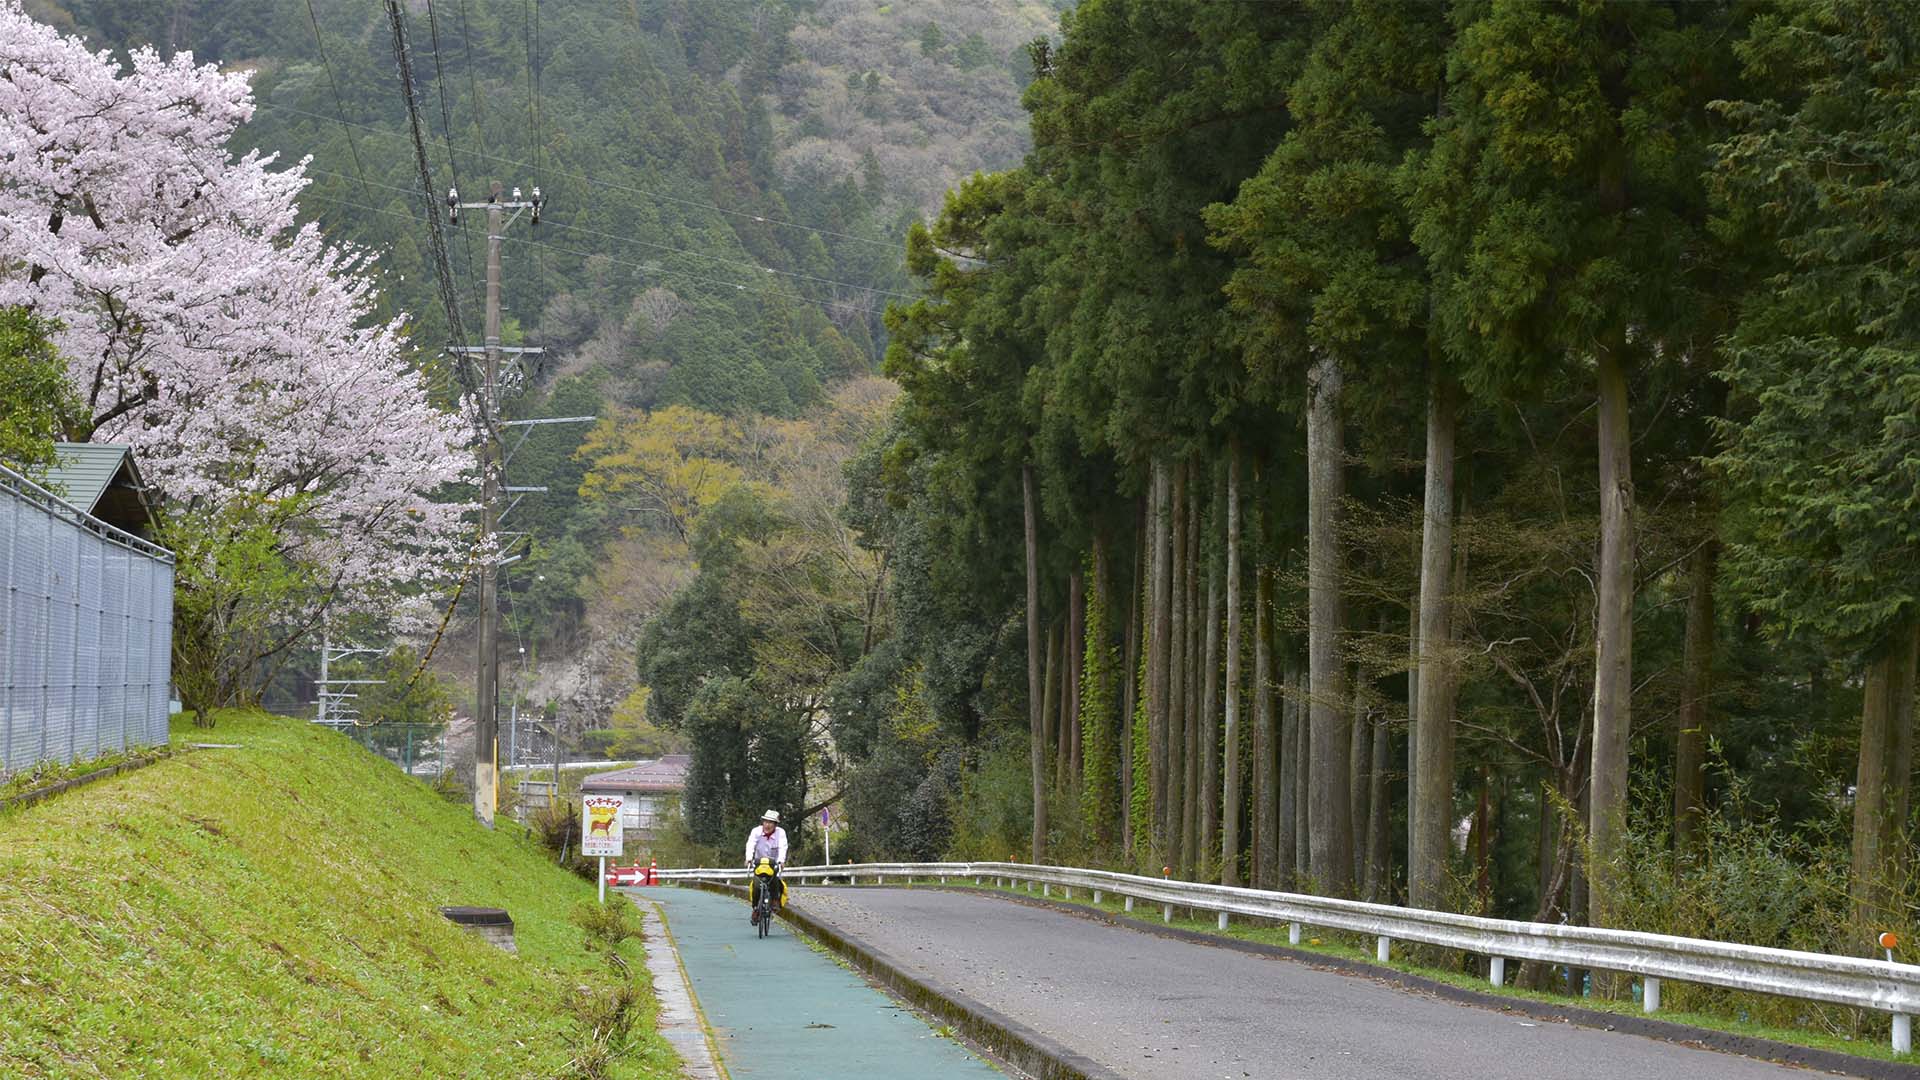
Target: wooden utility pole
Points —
{"points": [[486, 703]]}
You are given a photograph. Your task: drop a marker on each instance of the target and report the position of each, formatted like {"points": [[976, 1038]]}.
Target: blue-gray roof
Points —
{"points": [[101, 479], [82, 472]]}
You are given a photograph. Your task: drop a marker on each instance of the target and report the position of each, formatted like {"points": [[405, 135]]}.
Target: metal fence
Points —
{"points": [[85, 632], [1839, 980]]}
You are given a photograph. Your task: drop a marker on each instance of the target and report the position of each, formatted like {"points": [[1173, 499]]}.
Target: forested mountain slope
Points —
{"points": [[724, 226]]}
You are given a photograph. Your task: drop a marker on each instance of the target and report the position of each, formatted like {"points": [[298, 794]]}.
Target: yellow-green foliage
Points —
{"points": [[272, 910]]}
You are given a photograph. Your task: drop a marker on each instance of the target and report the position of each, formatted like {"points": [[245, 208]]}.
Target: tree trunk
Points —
{"points": [[1191, 853], [1360, 779], [1073, 745], [1613, 649], [1377, 859], [1329, 817], [1050, 699], [1177, 718], [1413, 736], [1208, 800], [1302, 781], [1159, 656], [1690, 735], [1230, 799], [1878, 790], [1431, 807], [1129, 678], [1280, 831], [1036, 716]]}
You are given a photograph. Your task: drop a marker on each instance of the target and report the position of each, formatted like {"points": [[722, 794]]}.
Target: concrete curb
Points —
{"points": [[1016, 1044], [680, 1020], [1783, 1053]]}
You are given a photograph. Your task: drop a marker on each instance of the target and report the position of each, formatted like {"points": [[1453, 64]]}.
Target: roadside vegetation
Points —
{"points": [[273, 910]]}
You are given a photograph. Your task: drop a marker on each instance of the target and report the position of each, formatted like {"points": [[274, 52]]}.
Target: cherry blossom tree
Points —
{"points": [[232, 347]]}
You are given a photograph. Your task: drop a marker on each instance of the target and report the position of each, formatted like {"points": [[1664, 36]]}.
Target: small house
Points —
{"points": [[651, 788], [101, 480]]}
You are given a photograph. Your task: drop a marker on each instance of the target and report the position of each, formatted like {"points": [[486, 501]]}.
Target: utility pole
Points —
{"points": [[486, 706]]}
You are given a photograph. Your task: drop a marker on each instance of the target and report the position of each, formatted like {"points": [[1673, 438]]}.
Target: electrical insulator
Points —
{"points": [[453, 205]]}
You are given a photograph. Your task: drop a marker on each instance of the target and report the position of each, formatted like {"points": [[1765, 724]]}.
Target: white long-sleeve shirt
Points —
{"points": [[761, 846]]}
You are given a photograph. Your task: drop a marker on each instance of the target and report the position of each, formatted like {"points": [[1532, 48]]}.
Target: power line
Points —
{"points": [[436, 240], [651, 267], [473, 82], [890, 245], [446, 124], [875, 290], [339, 107]]}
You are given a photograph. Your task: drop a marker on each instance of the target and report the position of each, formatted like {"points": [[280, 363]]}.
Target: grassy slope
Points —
{"points": [[271, 910]]}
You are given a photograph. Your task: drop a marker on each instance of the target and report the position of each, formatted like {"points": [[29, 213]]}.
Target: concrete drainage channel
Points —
{"points": [[1002, 1037]]}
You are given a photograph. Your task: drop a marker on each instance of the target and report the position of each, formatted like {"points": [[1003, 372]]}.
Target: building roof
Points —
{"points": [[667, 775], [101, 479]]}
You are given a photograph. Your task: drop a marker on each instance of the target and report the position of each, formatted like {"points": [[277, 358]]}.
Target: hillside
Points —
{"points": [[272, 910], [918, 94]]}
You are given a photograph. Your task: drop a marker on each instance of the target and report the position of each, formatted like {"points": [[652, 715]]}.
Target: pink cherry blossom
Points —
{"points": [[233, 348]]}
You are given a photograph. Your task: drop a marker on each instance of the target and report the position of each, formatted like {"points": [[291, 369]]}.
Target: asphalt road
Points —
{"points": [[1162, 1009]]}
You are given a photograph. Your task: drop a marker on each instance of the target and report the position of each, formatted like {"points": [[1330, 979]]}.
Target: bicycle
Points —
{"points": [[766, 878]]}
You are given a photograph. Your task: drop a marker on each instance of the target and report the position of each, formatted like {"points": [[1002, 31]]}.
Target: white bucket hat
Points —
{"points": [[771, 815]]}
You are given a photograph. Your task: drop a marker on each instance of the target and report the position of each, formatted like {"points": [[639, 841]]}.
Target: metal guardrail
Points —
{"points": [[1838, 980]]}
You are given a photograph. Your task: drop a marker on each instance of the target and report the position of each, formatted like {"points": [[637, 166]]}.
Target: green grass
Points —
{"points": [[48, 773], [1334, 944], [272, 911]]}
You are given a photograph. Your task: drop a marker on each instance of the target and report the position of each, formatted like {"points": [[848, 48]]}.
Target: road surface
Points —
{"points": [[781, 1010], [1156, 1008]]}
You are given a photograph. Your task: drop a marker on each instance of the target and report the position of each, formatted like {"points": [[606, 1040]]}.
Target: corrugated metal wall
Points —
{"points": [[85, 632]]}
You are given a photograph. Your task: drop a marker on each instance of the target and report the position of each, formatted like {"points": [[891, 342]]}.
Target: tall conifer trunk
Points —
{"points": [[1302, 780], [1613, 644], [1690, 735], [1208, 800], [1282, 836], [1153, 831], [1359, 776], [1430, 807], [1191, 853], [1377, 855], [1076, 662], [1329, 817], [1230, 799], [1176, 742], [1128, 674], [1036, 705], [1879, 789]]}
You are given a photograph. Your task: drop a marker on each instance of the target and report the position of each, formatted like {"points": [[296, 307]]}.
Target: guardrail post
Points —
{"points": [[1129, 903], [1223, 920], [1649, 994], [1497, 970], [1902, 1033], [1045, 889], [1066, 891], [943, 879], [1096, 896], [976, 881], [1166, 913], [1293, 933], [1383, 949]]}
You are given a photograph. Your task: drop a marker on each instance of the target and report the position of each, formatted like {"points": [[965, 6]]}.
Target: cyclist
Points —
{"points": [[765, 841]]}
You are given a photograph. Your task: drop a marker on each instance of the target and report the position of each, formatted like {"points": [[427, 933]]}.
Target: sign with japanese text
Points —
{"points": [[601, 818]]}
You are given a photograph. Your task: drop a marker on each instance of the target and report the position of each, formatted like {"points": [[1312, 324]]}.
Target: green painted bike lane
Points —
{"points": [[781, 1010]]}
